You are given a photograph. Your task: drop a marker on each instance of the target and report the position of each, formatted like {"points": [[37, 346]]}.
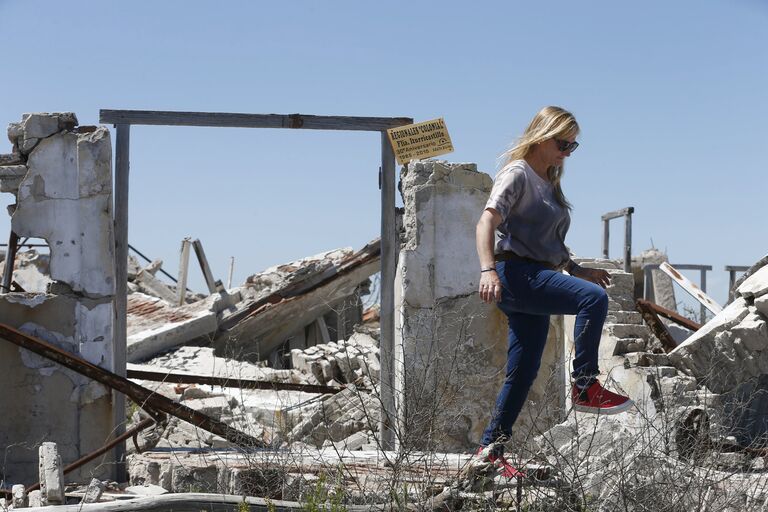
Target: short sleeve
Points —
{"points": [[507, 189]]}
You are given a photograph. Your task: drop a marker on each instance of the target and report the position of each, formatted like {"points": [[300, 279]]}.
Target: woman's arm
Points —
{"points": [[490, 285]]}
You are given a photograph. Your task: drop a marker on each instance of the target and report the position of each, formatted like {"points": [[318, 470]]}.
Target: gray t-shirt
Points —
{"points": [[533, 223]]}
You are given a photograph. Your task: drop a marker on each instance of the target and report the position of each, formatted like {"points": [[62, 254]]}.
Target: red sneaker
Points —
{"points": [[494, 455], [598, 400]]}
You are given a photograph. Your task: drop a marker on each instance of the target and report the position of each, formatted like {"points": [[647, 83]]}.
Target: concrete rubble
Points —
{"points": [[698, 430]]}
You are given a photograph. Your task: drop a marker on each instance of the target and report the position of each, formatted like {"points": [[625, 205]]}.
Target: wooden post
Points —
{"points": [[606, 237], [628, 241], [204, 266], [702, 309], [389, 248], [231, 271], [181, 284], [10, 260], [120, 327]]}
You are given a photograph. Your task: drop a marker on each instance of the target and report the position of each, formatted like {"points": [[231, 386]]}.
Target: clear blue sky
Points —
{"points": [[672, 98]]}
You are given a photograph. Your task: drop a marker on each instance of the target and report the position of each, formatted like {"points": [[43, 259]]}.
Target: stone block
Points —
{"points": [[755, 285], [11, 159], [35, 499], [39, 125], [10, 185], [629, 331], [626, 345], [665, 371], [19, 494], [753, 331], [213, 407], [94, 491], [710, 354], [12, 171], [15, 132], [27, 145], [51, 475], [624, 317], [761, 304], [600, 263]]}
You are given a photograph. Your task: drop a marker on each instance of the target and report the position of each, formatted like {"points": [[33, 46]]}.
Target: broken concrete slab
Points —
{"points": [[755, 285], [708, 354], [154, 326], [94, 491], [262, 324]]}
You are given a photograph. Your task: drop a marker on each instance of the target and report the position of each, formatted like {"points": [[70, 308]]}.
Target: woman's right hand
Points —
{"points": [[490, 287]]}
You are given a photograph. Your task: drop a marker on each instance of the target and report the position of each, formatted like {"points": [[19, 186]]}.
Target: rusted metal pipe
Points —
{"points": [[669, 314], [146, 422], [139, 394]]}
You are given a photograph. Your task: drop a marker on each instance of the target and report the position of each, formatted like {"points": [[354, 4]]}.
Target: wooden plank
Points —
{"points": [[389, 250], [618, 213], [10, 262], [691, 288], [120, 326], [181, 286], [204, 266], [236, 120]]}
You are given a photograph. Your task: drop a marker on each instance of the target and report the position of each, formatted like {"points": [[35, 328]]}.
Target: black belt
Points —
{"points": [[511, 256]]}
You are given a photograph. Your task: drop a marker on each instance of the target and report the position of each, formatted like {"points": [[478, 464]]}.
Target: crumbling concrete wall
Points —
{"points": [[61, 176], [451, 346]]}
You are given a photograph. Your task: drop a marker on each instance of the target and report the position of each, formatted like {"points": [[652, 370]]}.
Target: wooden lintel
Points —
{"points": [[618, 213], [235, 120]]}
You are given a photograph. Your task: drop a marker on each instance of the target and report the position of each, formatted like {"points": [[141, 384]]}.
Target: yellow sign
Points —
{"points": [[420, 140]]}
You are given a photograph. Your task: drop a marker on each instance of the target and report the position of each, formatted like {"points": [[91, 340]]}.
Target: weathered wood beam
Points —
{"points": [[235, 120], [696, 292]]}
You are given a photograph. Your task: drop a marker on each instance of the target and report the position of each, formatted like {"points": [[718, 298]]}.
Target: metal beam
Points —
{"points": [[234, 120]]}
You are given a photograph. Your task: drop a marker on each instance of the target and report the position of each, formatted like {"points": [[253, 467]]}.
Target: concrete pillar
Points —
{"points": [[51, 475], [451, 346], [65, 198]]}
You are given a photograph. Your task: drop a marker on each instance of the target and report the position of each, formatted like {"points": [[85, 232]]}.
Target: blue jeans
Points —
{"points": [[530, 293]]}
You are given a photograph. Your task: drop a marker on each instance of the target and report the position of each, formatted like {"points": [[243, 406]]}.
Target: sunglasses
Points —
{"points": [[564, 145]]}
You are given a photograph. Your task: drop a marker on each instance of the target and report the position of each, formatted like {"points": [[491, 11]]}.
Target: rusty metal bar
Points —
{"points": [[141, 395], [231, 382], [656, 325], [146, 422], [670, 315]]}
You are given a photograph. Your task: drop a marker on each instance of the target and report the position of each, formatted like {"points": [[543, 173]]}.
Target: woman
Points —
{"points": [[522, 274]]}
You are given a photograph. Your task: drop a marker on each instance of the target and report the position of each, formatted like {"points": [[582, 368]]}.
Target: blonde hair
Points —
{"points": [[550, 122]]}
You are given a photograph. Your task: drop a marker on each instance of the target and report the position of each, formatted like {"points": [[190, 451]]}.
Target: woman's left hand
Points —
{"points": [[595, 275]]}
